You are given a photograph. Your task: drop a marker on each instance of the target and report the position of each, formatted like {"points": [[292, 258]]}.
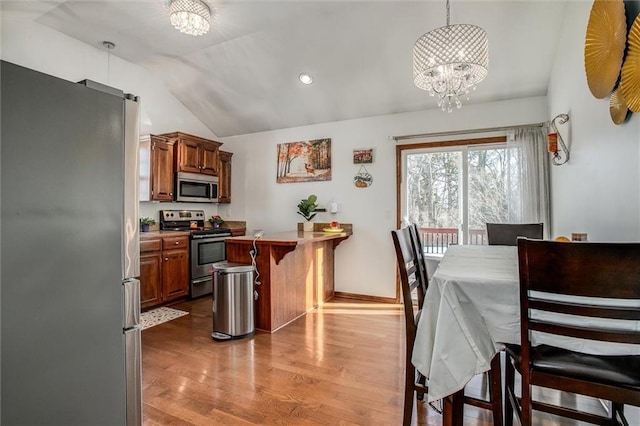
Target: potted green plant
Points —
{"points": [[145, 222], [306, 209]]}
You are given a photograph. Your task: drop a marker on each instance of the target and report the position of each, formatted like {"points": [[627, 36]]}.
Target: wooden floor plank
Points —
{"points": [[339, 365]]}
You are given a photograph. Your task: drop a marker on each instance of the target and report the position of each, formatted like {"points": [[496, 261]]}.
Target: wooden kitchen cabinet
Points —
{"points": [[193, 154], [224, 175], [156, 168], [175, 267], [150, 278], [164, 270]]}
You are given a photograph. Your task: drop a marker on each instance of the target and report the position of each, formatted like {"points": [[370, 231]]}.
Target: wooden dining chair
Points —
{"points": [[410, 280], [506, 234], [409, 254], [601, 272]]}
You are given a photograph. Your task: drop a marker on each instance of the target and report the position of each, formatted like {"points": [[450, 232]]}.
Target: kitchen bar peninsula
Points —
{"points": [[296, 272]]}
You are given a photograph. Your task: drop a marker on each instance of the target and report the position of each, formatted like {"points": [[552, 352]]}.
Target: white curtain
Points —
{"points": [[528, 177]]}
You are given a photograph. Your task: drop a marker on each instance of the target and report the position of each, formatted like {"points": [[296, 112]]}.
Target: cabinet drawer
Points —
{"points": [[171, 243], [147, 246]]}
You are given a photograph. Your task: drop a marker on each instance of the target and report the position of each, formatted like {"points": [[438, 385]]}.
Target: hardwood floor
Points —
{"points": [[339, 365]]}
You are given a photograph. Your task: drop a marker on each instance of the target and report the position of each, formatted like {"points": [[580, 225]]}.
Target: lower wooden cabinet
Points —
{"points": [[175, 274], [150, 277], [164, 270]]}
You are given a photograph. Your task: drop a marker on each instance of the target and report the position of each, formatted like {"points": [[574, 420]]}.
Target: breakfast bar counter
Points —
{"points": [[296, 271]]}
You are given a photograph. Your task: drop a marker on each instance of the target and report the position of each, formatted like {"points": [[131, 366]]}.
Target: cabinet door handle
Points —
{"points": [[177, 242], [166, 259]]}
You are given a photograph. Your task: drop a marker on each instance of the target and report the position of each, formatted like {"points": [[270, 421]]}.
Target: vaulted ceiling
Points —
{"points": [[242, 76]]}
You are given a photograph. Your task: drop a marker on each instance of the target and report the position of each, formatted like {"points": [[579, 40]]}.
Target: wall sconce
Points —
{"points": [[555, 144]]}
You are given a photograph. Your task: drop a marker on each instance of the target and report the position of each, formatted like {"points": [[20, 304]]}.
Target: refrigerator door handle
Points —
{"points": [[130, 225], [133, 369], [131, 303]]}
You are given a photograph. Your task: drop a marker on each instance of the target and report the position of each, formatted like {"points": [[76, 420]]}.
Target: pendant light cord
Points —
{"points": [[448, 14]]}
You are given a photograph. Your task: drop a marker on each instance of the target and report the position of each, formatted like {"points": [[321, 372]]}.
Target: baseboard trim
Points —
{"points": [[364, 297]]}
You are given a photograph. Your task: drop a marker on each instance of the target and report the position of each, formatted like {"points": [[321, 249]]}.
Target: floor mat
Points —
{"points": [[159, 315]]}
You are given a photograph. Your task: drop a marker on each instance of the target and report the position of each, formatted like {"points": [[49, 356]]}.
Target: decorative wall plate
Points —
{"points": [[604, 46], [617, 107], [630, 80]]}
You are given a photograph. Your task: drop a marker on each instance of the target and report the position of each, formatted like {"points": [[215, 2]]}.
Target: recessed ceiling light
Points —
{"points": [[305, 78]]}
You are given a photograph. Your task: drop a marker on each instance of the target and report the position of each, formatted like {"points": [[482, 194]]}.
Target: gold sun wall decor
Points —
{"points": [[630, 80], [617, 107], [604, 46]]}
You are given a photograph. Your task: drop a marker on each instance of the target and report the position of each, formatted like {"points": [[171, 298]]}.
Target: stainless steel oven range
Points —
{"points": [[207, 246]]}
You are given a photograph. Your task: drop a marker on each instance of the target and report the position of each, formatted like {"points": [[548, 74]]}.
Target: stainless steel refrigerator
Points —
{"points": [[69, 301]]}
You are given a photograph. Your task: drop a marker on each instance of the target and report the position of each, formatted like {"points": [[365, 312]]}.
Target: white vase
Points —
{"points": [[307, 226]]}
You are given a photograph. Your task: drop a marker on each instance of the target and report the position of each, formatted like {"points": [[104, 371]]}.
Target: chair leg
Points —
{"points": [[510, 392], [525, 416], [495, 389], [422, 380], [617, 410], [453, 409], [409, 390]]}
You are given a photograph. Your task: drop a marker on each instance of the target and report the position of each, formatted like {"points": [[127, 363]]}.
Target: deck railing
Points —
{"points": [[436, 240]]}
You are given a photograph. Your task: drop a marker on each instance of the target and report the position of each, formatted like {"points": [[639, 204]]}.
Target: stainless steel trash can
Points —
{"points": [[232, 301]]}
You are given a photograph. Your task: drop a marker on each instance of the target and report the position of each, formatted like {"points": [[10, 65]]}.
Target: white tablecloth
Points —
{"points": [[471, 307]]}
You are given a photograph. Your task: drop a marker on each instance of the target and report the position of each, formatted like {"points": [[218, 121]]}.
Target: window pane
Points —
{"points": [[433, 189], [488, 174]]}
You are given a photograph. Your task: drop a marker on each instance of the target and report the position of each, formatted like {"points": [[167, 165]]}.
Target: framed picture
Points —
{"points": [[363, 156], [304, 161]]}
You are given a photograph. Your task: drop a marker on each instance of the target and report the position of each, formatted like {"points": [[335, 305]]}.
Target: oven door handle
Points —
{"points": [[209, 238], [201, 280]]}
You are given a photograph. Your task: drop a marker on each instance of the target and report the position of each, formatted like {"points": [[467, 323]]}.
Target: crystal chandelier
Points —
{"points": [[449, 61], [191, 17]]}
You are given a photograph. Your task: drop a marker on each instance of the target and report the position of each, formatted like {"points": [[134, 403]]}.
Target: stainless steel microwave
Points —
{"points": [[196, 188]]}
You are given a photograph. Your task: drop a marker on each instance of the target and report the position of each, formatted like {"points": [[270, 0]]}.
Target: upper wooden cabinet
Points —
{"points": [[156, 168], [194, 154], [224, 184]]}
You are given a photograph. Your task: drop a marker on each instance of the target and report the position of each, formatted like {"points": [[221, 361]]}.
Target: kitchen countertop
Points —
{"points": [[284, 259], [291, 237], [159, 234]]}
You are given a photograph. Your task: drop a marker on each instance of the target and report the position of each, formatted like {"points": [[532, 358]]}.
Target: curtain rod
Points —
{"points": [[466, 132]]}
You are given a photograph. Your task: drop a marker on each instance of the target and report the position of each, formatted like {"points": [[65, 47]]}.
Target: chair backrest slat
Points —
{"points": [[618, 312], [605, 277], [591, 333], [420, 261]]}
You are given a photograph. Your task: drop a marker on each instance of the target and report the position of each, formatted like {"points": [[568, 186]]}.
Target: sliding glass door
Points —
{"points": [[451, 192]]}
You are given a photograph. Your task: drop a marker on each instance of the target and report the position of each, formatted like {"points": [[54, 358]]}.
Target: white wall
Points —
{"points": [[40, 48], [365, 263], [597, 191]]}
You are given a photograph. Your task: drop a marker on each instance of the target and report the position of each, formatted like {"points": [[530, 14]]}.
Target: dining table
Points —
{"points": [[471, 309]]}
